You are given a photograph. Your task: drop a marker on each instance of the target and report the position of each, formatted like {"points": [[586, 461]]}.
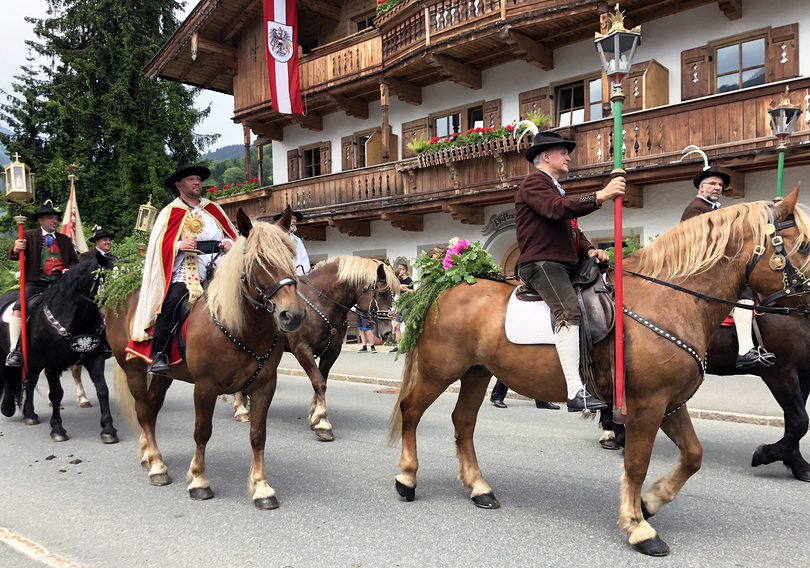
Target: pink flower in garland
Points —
{"points": [[455, 247]]}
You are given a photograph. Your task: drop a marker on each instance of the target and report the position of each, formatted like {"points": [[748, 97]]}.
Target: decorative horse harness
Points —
{"points": [[373, 313], [266, 304]]}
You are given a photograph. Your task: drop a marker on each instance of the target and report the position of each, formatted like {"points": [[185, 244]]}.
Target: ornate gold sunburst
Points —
{"points": [[194, 224]]}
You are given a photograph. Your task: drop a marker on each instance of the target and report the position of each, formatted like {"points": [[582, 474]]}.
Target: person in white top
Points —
{"points": [[301, 260]]}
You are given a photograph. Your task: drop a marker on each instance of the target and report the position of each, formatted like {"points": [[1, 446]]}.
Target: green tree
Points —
{"points": [[91, 104], [233, 175]]}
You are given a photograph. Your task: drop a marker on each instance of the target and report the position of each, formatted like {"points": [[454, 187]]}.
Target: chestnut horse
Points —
{"points": [[330, 291], [788, 380], [234, 342], [708, 252]]}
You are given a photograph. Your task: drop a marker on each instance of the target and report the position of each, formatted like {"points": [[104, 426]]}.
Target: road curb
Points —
{"points": [[693, 412]]}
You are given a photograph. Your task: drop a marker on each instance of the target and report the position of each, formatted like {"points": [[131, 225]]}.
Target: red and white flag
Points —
{"points": [[72, 223], [281, 53]]}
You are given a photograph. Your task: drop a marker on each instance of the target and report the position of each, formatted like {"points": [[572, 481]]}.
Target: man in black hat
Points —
{"points": [[710, 184], [102, 241], [186, 235], [301, 260], [551, 244], [49, 255]]}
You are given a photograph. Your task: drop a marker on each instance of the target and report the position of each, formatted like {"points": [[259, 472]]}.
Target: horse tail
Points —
{"points": [[12, 385], [124, 399], [410, 374]]}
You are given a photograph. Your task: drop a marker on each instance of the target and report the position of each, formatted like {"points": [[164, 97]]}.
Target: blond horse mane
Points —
{"points": [[359, 271], [697, 244], [267, 247]]}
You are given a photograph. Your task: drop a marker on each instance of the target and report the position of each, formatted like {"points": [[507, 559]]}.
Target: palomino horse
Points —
{"points": [[65, 328], [234, 342], [663, 355], [330, 291]]}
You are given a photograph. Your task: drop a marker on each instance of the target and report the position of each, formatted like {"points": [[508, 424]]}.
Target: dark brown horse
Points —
{"points": [[663, 358], [330, 291], [233, 342]]}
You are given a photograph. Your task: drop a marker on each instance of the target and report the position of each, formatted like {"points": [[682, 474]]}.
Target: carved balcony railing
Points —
{"points": [[341, 62]]}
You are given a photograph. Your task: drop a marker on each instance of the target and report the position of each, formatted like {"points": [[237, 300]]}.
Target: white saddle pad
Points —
{"points": [[528, 322], [6, 317]]}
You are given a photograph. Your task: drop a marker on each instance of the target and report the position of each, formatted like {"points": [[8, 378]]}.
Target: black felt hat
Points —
{"points": [[185, 171], [99, 233], [46, 209], [298, 216], [546, 140], [712, 173]]}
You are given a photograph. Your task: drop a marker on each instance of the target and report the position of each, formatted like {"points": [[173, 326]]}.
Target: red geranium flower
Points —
{"points": [[226, 187]]}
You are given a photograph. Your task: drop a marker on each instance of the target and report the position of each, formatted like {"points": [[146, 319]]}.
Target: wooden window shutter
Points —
{"points": [[535, 100], [326, 157], [694, 73], [293, 165], [492, 113], [347, 153], [411, 131], [783, 53]]}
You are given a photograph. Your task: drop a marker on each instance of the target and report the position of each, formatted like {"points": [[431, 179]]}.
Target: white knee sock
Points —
{"points": [[14, 331], [566, 340], [743, 320]]}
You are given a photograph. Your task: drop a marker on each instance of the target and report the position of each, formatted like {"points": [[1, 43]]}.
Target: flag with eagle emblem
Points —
{"points": [[281, 24]]}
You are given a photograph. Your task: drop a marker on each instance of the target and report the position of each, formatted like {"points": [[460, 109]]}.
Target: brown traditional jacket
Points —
{"points": [[544, 221], [698, 206], [33, 252]]}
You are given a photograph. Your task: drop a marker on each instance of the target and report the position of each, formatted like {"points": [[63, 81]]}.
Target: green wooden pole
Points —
{"points": [[779, 171]]}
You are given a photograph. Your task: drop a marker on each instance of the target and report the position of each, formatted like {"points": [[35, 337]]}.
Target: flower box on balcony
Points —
{"points": [[471, 151]]}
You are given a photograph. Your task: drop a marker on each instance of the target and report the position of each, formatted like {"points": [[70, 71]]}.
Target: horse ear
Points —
{"points": [[285, 222], [381, 272], [785, 207], [243, 223]]}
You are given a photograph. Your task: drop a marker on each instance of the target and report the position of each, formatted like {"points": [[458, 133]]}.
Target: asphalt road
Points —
{"points": [[558, 489]]}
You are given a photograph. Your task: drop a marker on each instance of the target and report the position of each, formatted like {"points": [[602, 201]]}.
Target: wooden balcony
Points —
{"points": [[733, 129]]}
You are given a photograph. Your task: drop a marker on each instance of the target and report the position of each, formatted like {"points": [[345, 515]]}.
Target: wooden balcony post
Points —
{"points": [[246, 131], [385, 126]]}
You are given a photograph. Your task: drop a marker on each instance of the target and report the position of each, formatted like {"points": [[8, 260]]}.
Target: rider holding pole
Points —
{"points": [[49, 254], [551, 245]]}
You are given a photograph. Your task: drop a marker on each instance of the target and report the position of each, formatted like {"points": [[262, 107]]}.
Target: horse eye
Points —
{"points": [[804, 248]]}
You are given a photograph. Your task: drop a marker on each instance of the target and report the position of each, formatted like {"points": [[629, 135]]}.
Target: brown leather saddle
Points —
{"points": [[595, 300]]}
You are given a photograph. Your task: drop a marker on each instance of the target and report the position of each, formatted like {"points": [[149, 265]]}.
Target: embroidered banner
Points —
{"points": [[72, 223], [281, 53]]}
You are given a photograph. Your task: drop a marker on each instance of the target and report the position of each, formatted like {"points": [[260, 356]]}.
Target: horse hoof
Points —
{"points": [[611, 444], [652, 547], [85, 404], [242, 418], [324, 435], [201, 493], [57, 437], [7, 410], [760, 457], [160, 479], [109, 438], [486, 501], [31, 421], [404, 491], [644, 510], [266, 503], [145, 465], [801, 474]]}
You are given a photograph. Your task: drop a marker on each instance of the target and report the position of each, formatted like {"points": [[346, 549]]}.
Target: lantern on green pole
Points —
{"points": [[616, 51], [783, 122]]}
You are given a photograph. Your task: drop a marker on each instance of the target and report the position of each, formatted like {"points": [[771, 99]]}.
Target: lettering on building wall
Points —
{"points": [[498, 222]]}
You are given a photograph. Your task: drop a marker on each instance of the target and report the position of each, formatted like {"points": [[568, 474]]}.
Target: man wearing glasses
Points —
{"points": [[710, 184]]}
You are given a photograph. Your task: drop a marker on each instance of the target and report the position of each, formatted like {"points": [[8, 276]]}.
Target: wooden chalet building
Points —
{"points": [[705, 74]]}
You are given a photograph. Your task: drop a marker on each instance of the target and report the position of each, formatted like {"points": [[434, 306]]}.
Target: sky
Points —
{"points": [[16, 30]]}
